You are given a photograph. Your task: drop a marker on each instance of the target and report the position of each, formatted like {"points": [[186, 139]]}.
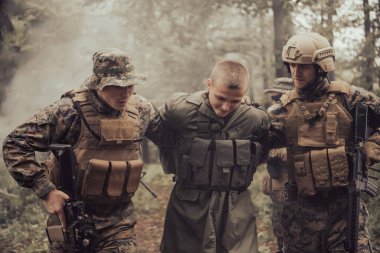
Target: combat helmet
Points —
{"points": [[112, 67], [281, 85], [309, 48]]}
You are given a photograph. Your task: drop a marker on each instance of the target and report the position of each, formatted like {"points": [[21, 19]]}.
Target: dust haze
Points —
{"points": [[60, 57]]}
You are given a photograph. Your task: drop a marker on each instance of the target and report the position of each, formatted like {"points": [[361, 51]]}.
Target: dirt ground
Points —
{"points": [[151, 214]]}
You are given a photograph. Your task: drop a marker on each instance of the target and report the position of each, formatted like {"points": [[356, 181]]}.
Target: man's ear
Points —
{"points": [[209, 83]]}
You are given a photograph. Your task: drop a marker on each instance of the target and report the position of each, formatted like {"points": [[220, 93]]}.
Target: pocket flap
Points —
{"points": [[198, 153], [117, 130], [117, 178], [94, 178], [243, 152], [224, 153], [135, 169]]}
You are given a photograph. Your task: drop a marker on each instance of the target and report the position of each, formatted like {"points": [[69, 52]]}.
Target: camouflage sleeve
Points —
{"points": [[372, 144], [151, 120], [277, 113], [357, 95], [49, 125]]}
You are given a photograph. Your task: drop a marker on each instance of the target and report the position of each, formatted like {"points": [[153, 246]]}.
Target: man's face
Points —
{"points": [[224, 100], [304, 75], [115, 96]]}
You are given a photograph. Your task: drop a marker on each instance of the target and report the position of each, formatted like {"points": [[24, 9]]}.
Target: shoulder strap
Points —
{"points": [[83, 118]]}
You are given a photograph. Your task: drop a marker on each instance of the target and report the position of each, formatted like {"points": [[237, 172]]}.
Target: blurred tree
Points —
{"points": [[369, 48], [367, 60], [283, 29], [6, 27], [16, 16]]}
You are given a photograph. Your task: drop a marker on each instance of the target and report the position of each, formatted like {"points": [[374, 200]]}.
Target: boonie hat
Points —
{"points": [[112, 67], [281, 85]]}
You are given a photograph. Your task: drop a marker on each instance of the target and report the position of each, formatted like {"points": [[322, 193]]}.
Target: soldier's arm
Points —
{"points": [[150, 119], [49, 125], [276, 125], [173, 112], [372, 144]]}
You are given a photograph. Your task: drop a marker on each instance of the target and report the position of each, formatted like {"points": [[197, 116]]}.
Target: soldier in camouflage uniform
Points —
{"points": [[104, 121], [315, 122], [216, 136], [274, 182]]}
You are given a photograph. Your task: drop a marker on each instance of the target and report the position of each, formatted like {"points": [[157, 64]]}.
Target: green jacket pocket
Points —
{"points": [[243, 160], [223, 163], [199, 162]]}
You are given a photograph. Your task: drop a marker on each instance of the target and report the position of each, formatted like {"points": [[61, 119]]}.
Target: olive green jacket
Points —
{"points": [[206, 221]]}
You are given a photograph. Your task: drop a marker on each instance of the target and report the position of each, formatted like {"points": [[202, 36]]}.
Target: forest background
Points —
{"points": [[46, 48]]}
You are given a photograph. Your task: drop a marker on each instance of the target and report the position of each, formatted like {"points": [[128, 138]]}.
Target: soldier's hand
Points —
{"points": [[54, 204]]}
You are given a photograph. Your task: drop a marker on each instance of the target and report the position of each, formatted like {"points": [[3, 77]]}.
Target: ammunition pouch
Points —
{"points": [[222, 165], [110, 181], [320, 169]]}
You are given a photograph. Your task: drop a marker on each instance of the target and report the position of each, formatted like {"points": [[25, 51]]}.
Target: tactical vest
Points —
{"points": [[316, 134], [107, 152], [208, 159]]}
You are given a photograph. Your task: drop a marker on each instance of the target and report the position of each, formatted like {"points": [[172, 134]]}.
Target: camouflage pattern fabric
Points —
{"points": [[111, 236], [278, 198], [60, 123], [320, 226], [275, 188], [112, 67]]}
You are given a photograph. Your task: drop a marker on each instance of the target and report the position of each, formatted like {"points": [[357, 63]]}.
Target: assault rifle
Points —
{"points": [[358, 180], [76, 237]]}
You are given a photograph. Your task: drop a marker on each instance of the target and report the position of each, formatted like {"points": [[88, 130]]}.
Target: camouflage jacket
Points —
{"points": [[59, 123]]}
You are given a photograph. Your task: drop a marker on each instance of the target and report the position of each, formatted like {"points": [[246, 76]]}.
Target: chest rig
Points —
{"points": [[107, 152], [317, 133], [210, 159]]}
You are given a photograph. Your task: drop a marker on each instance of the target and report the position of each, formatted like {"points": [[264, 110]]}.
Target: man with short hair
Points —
{"points": [[104, 122], [315, 122], [274, 181], [216, 145]]}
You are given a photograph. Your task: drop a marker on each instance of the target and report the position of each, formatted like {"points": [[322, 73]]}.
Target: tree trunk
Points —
{"points": [[330, 28], [283, 29], [5, 22], [369, 47], [264, 69]]}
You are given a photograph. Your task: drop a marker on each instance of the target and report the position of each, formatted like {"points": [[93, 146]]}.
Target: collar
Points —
{"points": [[100, 106], [317, 90]]}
